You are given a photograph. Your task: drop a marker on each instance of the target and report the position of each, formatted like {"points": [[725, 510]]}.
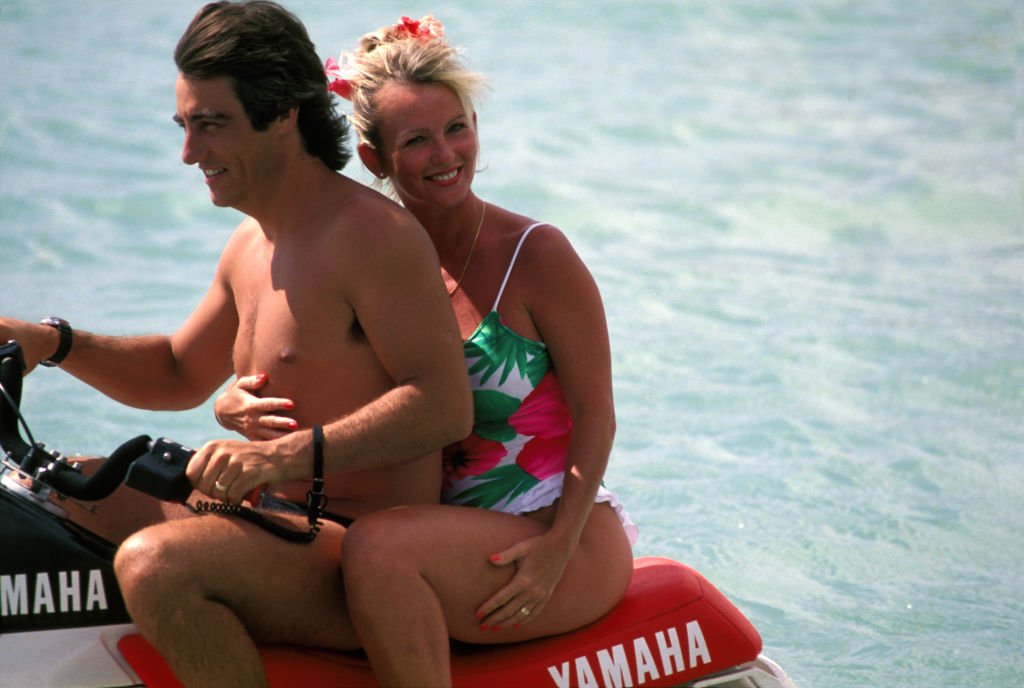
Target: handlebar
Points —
{"points": [[104, 481]]}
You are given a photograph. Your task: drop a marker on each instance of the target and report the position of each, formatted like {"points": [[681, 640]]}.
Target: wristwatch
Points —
{"points": [[66, 335]]}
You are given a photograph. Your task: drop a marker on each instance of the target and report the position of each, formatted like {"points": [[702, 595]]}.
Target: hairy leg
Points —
{"points": [[416, 575], [204, 590]]}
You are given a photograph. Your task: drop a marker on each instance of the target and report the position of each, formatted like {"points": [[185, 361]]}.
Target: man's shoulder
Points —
{"points": [[363, 214], [356, 199], [241, 240]]}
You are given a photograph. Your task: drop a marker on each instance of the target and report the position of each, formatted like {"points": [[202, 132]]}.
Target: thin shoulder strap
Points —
{"points": [[501, 290]]}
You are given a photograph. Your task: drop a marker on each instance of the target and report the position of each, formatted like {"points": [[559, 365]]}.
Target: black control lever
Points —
{"points": [[161, 471]]}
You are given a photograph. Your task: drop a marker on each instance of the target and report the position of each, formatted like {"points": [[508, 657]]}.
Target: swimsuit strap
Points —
{"points": [[501, 290]]}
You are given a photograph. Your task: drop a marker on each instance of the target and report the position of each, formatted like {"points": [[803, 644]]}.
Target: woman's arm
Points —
{"points": [[575, 332]]}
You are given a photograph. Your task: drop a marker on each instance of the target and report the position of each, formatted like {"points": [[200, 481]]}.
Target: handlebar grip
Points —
{"points": [[107, 479], [161, 472], [12, 366]]}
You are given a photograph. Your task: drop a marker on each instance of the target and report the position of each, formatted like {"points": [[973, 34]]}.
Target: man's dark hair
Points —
{"points": [[266, 52]]}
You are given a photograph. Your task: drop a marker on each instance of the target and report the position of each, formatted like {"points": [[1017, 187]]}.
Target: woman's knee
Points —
{"points": [[381, 546], [370, 542]]}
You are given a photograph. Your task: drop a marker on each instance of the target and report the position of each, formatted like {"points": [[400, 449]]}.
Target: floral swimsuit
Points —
{"points": [[514, 460]]}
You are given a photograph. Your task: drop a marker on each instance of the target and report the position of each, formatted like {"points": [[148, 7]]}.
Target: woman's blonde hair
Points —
{"points": [[391, 54]]}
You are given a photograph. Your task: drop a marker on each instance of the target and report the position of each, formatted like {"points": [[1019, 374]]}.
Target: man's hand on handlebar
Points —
{"points": [[230, 470]]}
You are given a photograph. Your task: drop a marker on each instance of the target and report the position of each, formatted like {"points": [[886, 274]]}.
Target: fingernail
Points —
{"points": [[495, 558], [293, 424], [289, 404], [261, 376]]}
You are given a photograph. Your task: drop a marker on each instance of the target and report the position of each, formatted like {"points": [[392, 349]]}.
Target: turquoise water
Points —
{"points": [[807, 220]]}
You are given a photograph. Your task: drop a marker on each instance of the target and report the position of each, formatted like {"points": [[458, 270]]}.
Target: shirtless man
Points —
{"points": [[330, 290]]}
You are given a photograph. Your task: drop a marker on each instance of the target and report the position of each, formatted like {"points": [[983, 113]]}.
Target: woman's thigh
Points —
{"points": [[451, 547]]}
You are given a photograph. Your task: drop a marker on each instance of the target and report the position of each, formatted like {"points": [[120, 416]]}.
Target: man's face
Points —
{"points": [[236, 160]]}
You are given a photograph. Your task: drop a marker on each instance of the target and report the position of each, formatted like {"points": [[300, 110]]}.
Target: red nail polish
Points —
{"points": [[289, 404], [293, 424], [495, 558]]}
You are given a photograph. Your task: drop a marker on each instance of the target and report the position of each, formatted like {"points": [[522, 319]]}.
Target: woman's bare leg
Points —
{"points": [[416, 575]]}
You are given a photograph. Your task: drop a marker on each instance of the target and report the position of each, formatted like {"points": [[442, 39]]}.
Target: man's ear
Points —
{"points": [[288, 121], [371, 159]]}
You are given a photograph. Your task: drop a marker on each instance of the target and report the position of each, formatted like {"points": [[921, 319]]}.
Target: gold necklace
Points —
{"points": [[469, 257]]}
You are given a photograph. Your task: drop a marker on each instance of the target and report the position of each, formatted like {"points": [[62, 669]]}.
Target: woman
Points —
{"points": [[527, 542]]}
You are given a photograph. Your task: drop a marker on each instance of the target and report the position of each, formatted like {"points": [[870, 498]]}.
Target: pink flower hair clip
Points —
{"points": [[341, 74], [426, 29], [343, 71]]}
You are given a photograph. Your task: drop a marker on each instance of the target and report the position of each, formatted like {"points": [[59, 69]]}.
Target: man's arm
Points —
{"points": [[408, 319], [158, 372]]}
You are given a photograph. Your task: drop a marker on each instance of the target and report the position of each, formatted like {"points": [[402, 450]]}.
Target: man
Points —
{"points": [[330, 290]]}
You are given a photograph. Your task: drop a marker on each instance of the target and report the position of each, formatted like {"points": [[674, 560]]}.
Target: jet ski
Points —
{"points": [[63, 622]]}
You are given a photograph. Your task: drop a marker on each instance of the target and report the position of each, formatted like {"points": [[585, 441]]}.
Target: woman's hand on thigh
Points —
{"points": [[539, 563]]}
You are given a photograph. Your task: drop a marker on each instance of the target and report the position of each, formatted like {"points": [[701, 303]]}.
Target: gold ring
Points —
{"points": [[217, 485], [524, 611]]}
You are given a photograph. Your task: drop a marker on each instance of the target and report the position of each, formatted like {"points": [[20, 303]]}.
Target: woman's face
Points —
{"points": [[428, 144]]}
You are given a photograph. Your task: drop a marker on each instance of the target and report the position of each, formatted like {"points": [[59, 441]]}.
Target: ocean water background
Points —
{"points": [[807, 220]]}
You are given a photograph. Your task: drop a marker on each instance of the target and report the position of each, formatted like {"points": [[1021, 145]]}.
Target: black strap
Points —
{"points": [[315, 498], [64, 345]]}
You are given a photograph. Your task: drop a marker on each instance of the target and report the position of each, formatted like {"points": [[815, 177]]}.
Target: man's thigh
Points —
{"points": [[281, 591]]}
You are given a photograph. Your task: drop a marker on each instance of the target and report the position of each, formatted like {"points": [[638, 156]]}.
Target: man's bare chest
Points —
{"points": [[287, 321]]}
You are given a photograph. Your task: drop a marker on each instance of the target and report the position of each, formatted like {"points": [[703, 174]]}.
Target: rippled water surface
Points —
{"points": [[806, 219]]}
